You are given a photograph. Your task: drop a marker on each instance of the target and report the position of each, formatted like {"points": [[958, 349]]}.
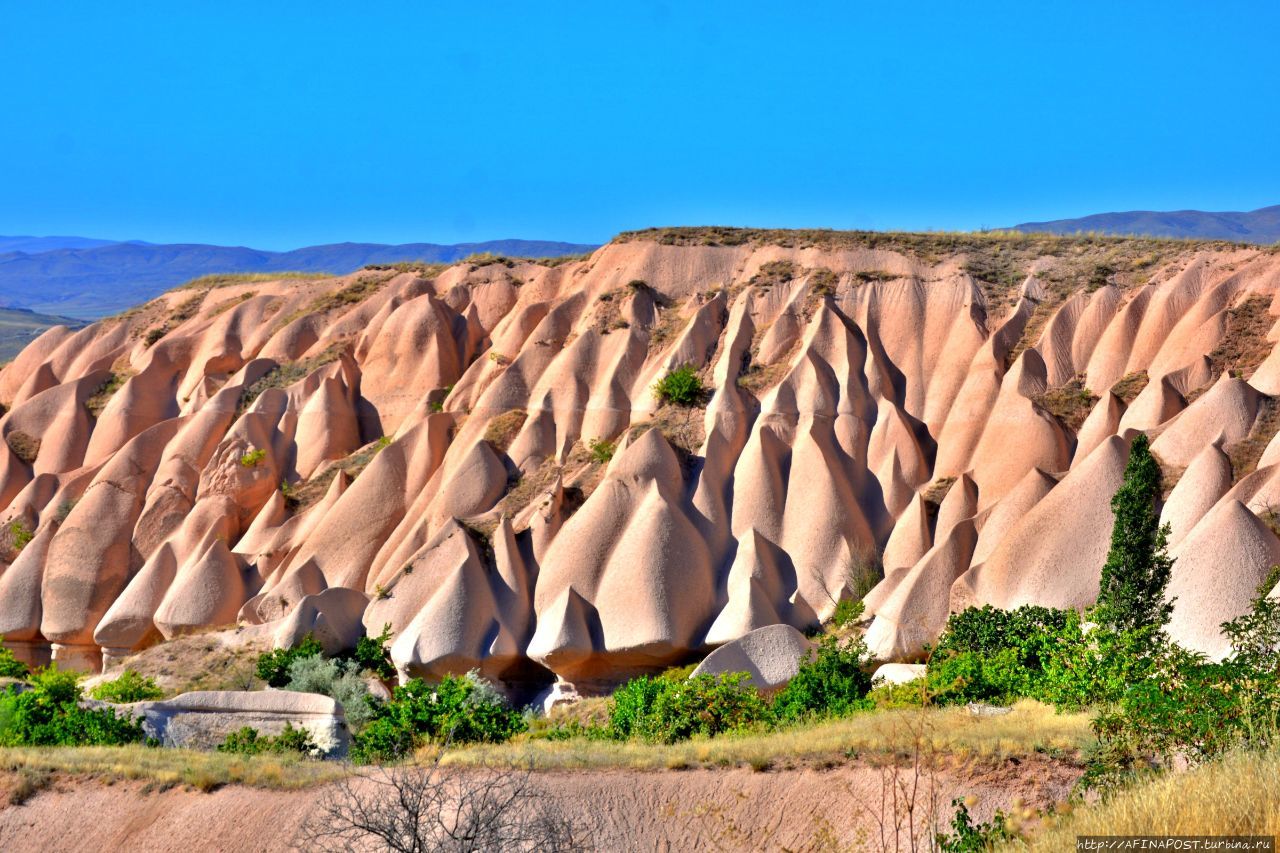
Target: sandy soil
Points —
{"points": [[804, 809]]}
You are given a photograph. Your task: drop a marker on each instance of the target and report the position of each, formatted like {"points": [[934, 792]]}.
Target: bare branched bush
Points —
{"points": [[906, 815], [425, 809]]}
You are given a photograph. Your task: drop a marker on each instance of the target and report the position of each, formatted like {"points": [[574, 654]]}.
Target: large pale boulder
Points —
{"points": [[204, 718], [770, 657]]}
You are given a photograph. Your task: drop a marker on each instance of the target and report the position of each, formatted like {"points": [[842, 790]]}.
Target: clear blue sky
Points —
{"points": [[278, 124]]}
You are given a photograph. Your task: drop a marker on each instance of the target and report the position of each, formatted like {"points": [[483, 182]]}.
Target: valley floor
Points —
{"points": [[840, 807]]}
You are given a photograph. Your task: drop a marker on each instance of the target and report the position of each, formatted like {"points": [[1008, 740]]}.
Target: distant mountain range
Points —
{"points": [[1256, 226], [87, 278]]}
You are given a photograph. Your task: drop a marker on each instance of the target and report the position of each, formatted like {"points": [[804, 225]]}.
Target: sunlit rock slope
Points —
{"points": [[934, 421]]}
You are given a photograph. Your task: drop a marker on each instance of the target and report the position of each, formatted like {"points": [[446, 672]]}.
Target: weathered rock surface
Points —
{"points": [[769, 656], [476, 455], [203, 719]]}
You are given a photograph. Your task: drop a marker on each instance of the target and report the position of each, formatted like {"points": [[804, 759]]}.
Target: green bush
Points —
{"points": [[970, 837], [704, 705], [49, 714], [273, 666], [129, 687], [672, 709], [253, 457], [248, 741], [339, 679], [10, 666], [887, 697], [680, 387], [601, 451], [831, 682], [998, 656], [631, 705], [374, 654], [462, 709], [1188, 708]]}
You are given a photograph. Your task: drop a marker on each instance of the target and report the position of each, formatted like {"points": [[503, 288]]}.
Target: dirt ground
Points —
{"points": [[844, 807]]}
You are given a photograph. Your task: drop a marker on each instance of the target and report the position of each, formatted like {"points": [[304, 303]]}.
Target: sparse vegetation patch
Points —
{"points": [[1070, 402]]}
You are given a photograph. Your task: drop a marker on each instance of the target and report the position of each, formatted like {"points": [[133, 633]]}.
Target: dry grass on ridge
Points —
{"points": [[1234, 796], [951, 732], [169, 767], [1029, 728]]}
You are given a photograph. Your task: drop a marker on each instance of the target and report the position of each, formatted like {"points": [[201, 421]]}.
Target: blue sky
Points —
{"points": [[280, 124]]}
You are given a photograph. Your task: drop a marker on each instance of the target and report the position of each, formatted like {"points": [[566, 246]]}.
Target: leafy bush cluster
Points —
{"points": [[339, 679], [273, 666], [668, 710], [462, 709], [49, 714], [290, 741], [831, 682], [129, 687], [10, 666], [680, 387]]}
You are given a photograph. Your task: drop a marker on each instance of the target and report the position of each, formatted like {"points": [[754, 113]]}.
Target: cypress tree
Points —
{"points": [[1134, 578]]}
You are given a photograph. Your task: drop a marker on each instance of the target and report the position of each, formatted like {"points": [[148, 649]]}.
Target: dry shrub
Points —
{"points": [[24, 446], [99, 399], [415, 809], [1244, 344], [503, 429], [1069, 403], [310, 491], [1244, 454], [1128, 387]]}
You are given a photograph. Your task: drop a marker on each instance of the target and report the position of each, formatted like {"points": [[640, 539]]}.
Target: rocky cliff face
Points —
{"points": [[940, 420]]}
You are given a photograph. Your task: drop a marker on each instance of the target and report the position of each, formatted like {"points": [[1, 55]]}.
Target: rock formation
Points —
{"points": [[475, 454]]}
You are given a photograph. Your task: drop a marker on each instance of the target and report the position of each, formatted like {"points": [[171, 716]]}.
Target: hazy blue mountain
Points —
{"points": [[1256, 226], [49, 244], [100, 280]]}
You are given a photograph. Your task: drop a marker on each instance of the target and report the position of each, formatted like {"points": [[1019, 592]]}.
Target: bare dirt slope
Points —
{"points": [[478, 449], [808, 809]]}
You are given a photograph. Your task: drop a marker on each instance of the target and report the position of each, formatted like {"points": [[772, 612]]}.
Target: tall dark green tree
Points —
{"points": [[1136, 573]]}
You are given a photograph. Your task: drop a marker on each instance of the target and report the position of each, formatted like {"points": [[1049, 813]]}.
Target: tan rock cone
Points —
{"points": [[207, 591], [1216, 571], [1206, 479], [1226, 412], [1054, 555], [916, 612]]}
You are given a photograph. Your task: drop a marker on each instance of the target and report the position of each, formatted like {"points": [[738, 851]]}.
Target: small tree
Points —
{"points": [[1136, 573]]}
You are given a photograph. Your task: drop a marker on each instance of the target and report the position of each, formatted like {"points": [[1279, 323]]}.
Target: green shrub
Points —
{"points": [[462, 709], [253, 457], [339, 679], [248, 741], [847, 612], [887, 697], [970, 837], [49, 714], [1188, 708], [129, 687], [273, 666], [631, 706], [374, 654], [20, 533], [601, 451], [680, 387], [704, 705], [672, 709], [10, 666], [831, 682]]}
